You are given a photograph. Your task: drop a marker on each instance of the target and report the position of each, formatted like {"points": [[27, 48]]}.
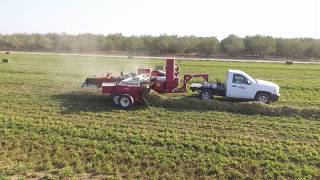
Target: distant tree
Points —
{"points": [[32, 42], [208, 46], [100, 42], [311, 47], [149, 45], [260, 45], [291, 48], [107, 44], [115, 42], [134, 44], [190, 44], [315, 49], [163, 44], [232, 45], [175, 45], [8, 42], [62, 42], [86, 43]]}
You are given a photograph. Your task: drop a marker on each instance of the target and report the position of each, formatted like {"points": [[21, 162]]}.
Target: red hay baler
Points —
{"points": [[127, 91]]}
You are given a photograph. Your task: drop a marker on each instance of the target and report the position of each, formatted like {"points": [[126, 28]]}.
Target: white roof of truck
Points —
{"points": [[235, 71]]}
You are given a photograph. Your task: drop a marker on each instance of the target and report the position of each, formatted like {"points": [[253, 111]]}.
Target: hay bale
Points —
{"points": [[7, 52], [6, 60], [289, 62]]}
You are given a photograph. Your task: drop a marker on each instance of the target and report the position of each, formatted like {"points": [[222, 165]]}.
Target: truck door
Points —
{"points": [[239, 87]]}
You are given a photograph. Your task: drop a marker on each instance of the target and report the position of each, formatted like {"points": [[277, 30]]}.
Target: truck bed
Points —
{"points": [[218, 89]]}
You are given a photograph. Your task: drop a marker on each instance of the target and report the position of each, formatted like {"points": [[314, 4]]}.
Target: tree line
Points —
{"points": [[257, 46]]}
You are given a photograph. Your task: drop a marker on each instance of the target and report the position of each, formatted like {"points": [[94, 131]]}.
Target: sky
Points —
{"points": [[278, 18]]}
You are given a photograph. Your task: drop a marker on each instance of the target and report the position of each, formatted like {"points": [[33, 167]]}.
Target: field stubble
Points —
{"points": [[49, 127]]}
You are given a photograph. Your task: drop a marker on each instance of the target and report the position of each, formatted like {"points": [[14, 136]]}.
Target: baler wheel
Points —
{"points": [[125, 101], [115, 99], [205, 95]]}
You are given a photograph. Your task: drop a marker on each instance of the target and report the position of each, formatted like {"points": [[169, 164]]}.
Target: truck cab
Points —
{"points": [[240, 85]]}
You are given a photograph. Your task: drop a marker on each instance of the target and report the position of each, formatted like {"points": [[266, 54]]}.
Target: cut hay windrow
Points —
{"points": [[247, 108]]}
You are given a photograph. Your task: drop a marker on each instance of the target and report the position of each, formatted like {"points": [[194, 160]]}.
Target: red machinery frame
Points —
{"points": [[97, 81], [131, 91], [170, 83]]}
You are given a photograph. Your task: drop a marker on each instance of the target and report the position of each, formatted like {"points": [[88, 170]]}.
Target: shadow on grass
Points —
{"points": [[73, 102], [88, 101]]}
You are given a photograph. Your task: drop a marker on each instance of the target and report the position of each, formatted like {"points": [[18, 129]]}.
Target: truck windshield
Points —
{"points": [[250, 78]]}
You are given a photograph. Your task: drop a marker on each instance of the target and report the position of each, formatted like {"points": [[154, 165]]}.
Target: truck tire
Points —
{"points": [[115, 99], [263, 97], [205, 95], [125, 101]]}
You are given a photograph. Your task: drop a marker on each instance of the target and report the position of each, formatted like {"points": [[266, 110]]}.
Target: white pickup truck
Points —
{"points": [[239, 85]]}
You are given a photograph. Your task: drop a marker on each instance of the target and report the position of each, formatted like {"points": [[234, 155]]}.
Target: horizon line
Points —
{"points": [[153, 35]]}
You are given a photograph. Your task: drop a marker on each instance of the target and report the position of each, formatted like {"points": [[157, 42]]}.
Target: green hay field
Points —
{"points": [[50, 127]]}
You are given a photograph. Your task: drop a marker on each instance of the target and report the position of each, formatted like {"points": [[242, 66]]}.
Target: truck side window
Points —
{"points": [[239, 79]]}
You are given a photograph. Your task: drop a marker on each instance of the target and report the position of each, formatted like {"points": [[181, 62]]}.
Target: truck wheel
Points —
{"points": [[125, 101], [205, 95], [115, 99], [263, 97]]}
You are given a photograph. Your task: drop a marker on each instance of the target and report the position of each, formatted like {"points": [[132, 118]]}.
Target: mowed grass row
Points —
{"points": [[51, 127]]}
